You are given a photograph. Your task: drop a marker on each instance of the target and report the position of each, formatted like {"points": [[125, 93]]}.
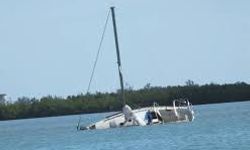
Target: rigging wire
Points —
{"points": [[95, 63], [98, 51]]}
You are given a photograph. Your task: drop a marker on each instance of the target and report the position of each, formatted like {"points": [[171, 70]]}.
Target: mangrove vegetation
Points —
{"points": [[25, 107]]}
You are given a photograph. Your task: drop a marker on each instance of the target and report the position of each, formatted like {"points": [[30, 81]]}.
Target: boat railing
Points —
{"points": [[180, 104]]}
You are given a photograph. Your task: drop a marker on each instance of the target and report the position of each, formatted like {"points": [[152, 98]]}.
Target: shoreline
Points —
{"points": [[242, 101]]}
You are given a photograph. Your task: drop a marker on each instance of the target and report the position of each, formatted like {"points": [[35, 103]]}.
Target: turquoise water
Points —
{"points": [[217, 126]]}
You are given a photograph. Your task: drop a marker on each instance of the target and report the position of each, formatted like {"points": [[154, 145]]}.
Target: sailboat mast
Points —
{"points": [[118, 55]]}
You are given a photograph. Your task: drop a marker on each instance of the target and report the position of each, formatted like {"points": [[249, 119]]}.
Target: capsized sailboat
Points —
{"points": [[181, 111]]}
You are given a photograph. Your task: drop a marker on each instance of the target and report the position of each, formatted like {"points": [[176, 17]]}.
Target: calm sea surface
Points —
{"points": [[216, 126]]}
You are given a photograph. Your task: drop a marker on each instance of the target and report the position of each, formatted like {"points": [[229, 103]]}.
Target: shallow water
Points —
{"points": [[216, 126]]}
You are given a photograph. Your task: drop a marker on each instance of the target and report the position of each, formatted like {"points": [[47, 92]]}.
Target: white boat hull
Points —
{"points": [[159, 114]]}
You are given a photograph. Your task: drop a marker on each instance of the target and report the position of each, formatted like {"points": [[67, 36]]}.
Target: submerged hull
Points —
{"points": [[146, 116]]}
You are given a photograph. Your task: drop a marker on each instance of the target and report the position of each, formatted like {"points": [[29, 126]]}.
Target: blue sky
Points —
{"points": [[47, 47]]}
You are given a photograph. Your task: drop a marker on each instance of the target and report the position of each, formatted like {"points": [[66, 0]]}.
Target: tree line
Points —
{"points": [[25, 107]]}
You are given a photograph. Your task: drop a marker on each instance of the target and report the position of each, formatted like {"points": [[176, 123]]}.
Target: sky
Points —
{"points": [[48, 47]]}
